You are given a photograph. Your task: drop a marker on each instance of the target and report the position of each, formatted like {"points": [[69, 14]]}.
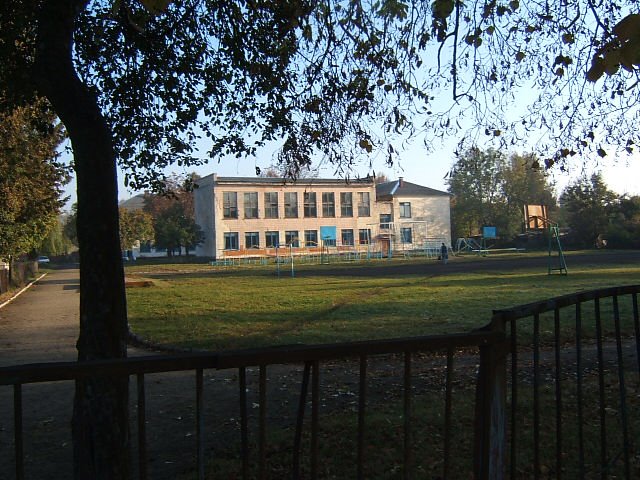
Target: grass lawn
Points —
{"points": [[203, 307], [197, 306]]}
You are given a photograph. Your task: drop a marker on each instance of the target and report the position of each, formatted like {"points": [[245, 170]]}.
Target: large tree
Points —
{"points": [[476, 182], [31, 177], [588, 203], [135, 226], [490, 190], [341, 78]]}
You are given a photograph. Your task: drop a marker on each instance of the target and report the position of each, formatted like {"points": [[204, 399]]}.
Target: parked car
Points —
{"points": [[43, 259]]}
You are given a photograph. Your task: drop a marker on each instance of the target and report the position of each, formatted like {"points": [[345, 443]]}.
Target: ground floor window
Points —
{"points": [[364, 236], [272, 239], [252, 240], [347, 236], [406, 235], [311, 238], [291, 238], [231, 241]]}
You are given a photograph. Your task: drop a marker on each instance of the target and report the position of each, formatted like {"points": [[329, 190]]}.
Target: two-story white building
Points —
{"points": [[254, 216]]}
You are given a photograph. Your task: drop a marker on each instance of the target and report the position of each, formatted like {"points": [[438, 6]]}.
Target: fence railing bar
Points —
{"points": [[578, 324], [60, 371], [536, 396], [244, 427], [262, 424], [636, 325], [18, 433], [315, 406], [514, 397], [297, 442], [200, 423], [622, 389], [142, 427], [528, 310], [301, 353], [558, 392], [362, 404], [407, 469], [448, 414], [601, 391]]}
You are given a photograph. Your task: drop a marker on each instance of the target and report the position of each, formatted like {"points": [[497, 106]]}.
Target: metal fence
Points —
{"points": [[556, 394]]}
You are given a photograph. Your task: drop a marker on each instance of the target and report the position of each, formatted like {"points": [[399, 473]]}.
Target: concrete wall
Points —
{"points": [[203, 202], [430, 217]]}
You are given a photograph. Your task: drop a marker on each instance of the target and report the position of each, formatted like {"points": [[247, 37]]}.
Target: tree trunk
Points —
{"points": [[100, 418]]}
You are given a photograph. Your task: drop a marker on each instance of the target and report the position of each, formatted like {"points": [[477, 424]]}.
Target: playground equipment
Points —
{"points": [[536, 218], [470, 244]]}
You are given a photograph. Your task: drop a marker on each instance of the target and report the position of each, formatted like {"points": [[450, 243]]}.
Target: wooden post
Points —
{"points": [[490, 424]]}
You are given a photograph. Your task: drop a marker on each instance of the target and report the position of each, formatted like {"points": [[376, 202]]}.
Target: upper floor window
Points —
{"points": [[405, 210], [271, 205], [251, 205], [230, 204], [310, 208], [385, 221], [328, 204], [364, 208], [291, 205], [346, 204]]}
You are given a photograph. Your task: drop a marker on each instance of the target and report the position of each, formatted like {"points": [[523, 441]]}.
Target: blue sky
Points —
{"points": [[417, 165]]}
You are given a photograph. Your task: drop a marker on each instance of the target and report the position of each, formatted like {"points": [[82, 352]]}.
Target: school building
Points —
{"points": [[262, 216]]}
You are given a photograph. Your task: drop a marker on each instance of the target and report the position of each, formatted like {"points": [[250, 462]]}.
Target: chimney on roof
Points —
{"points": [[400, 181]]}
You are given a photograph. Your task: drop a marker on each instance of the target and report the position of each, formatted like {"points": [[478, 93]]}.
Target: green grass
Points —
{"points": [[196, 306]]}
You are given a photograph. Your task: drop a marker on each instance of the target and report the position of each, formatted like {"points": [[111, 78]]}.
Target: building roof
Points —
{"points": [[133, 203], [402, 188], [288, 181]]}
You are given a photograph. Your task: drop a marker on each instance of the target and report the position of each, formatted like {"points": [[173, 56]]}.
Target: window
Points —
{"points": [[291, 238], [347, 237], [363, 204], [364, 236], [405, 210], [230, 204], [145, 247], [251, 205], [406, 235], [272, 239], [231, 241], [346, 204], [311, 238], [271, 205], [291, 205], [252, 240], [328, 204], [310, 209], [385, 221]]}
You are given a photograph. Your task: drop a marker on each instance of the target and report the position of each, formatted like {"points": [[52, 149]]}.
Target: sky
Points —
{"points": [[418, 166]]}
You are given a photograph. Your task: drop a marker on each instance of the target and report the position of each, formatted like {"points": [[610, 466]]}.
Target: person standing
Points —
{"points": [[444, 254]]}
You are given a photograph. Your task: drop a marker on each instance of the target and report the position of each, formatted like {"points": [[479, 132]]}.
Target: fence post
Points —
{"points": [[490, 415]]}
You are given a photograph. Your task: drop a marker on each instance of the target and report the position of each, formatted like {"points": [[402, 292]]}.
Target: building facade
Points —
{"points": [[258, 216]]}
